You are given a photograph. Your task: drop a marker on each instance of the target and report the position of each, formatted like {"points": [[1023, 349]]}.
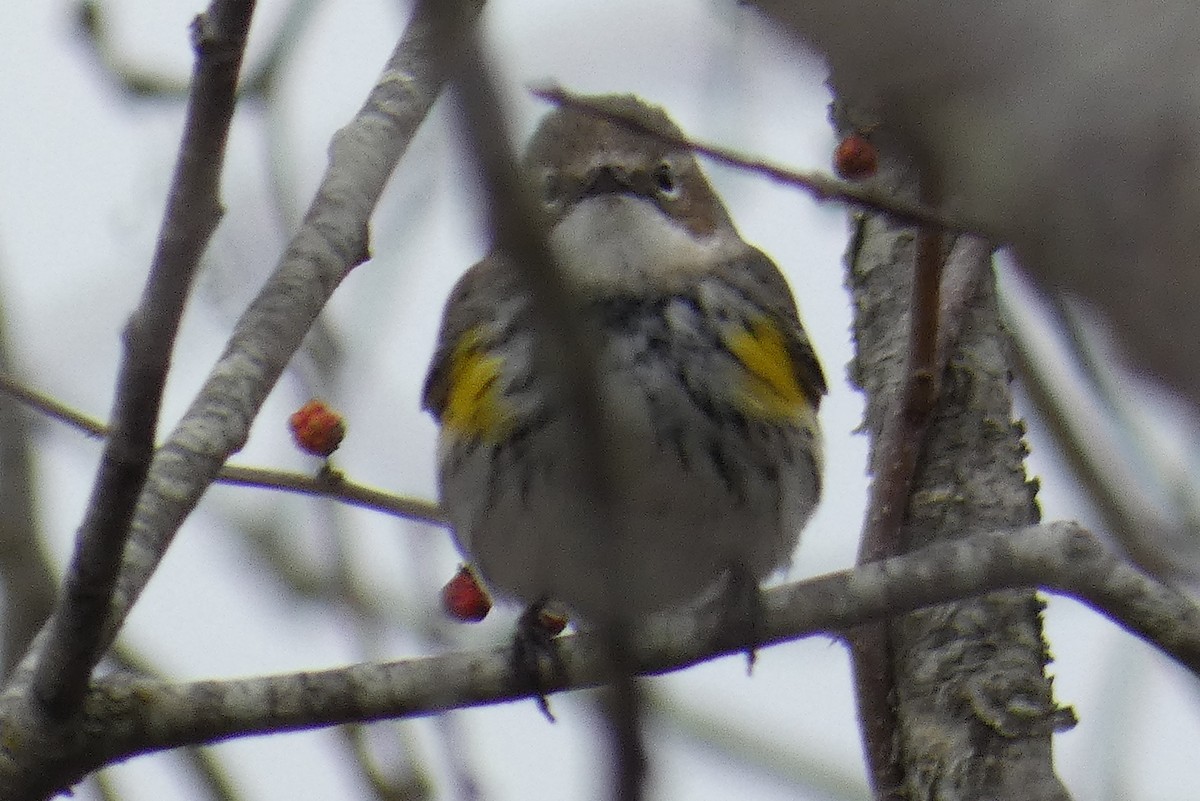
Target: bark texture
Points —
{"points": [[974, 707]]}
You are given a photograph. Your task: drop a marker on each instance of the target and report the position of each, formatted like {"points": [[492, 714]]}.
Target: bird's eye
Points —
{"points": [[665, 181]]}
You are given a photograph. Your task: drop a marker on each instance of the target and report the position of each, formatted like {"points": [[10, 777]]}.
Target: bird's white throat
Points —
{"points": [[623, 241]]}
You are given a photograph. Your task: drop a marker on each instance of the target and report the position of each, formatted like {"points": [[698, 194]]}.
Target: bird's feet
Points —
{"points": [[740, 606], [534, 650]]}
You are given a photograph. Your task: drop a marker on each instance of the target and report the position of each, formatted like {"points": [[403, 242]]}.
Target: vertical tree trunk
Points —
{"points": [[974, 711]]}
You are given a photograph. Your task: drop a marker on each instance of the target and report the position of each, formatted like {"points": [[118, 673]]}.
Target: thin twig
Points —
{"points": [[935, 323], [897, 452], [904, 432], [74, 639], [328, 484], [745, 748], [820, 187], [409, 780], [1133, 516], [91, 23], [325, 484], [52, 407], [291, 29]]}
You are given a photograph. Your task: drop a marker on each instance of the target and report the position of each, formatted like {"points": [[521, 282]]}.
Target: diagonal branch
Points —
{"points": [[325, 484], [821, 187], [331, 241], [73, 641], [52, 407], [332, 485]]}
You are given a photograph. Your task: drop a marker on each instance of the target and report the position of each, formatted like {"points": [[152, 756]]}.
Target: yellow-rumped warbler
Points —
{"points": [[706, 376]]}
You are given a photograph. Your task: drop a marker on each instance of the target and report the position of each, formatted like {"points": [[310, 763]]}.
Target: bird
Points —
{"points": [[708, 384]]}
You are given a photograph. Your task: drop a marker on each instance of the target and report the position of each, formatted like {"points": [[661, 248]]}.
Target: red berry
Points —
{"points": [[464, 599], [855, 158], [317, 429]]}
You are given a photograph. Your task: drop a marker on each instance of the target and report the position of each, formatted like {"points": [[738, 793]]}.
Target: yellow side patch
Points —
{"points": [[474, 405], [771, 391]]}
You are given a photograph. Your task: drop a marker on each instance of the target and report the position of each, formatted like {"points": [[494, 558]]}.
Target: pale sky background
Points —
{"points": [[83, 172]]}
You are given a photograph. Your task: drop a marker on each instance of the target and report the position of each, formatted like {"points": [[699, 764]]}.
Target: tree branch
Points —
{"points": [[209, 778], [331, 241], [960, 668], [325, 484], [52, 407], [137, 716], [821, 187], [898, 448], [73, 641], [330, 484]]}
